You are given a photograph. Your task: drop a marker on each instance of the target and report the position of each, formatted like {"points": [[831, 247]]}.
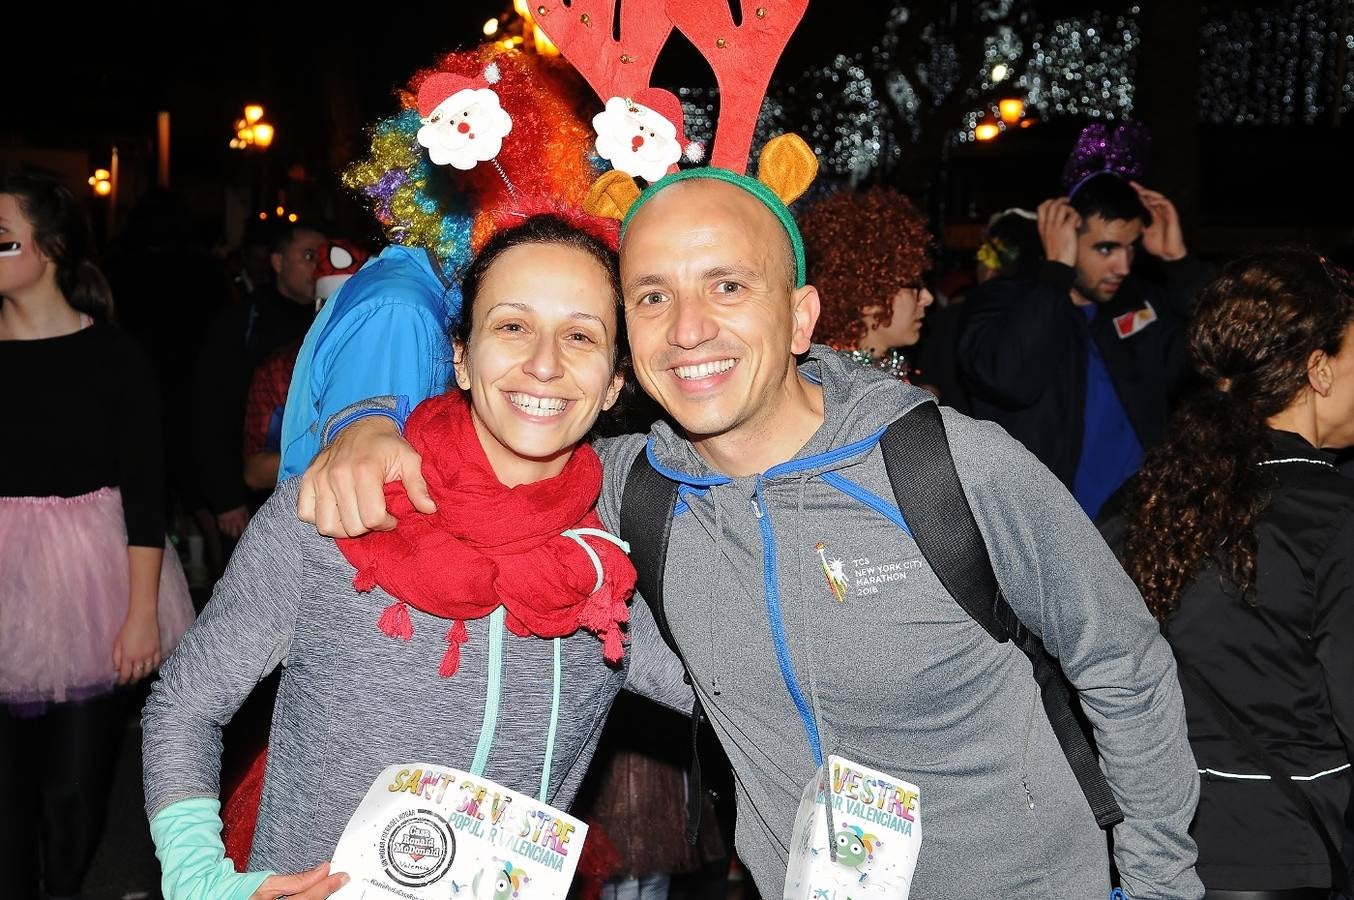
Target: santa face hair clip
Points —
{"points": [[643, 136], [463, 122], [10, 248]]}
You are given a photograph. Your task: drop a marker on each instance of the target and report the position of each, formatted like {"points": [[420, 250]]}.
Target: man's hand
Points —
{"points": [[1163, 238], [343, 490], [313, 885], [233, 521], [1058, 224]]}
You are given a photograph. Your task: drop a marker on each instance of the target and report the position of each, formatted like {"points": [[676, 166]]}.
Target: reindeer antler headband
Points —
{"points": [[743, 56]]}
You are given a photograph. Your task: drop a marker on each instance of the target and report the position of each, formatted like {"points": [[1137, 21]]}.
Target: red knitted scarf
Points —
{"points": [[489, 545]]}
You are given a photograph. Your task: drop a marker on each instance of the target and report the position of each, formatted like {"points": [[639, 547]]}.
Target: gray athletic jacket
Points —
{"points": [[353, 701], [895, 675]]}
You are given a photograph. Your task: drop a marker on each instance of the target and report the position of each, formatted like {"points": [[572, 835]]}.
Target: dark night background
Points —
{"points": [[1249, 104], [88, 81]]}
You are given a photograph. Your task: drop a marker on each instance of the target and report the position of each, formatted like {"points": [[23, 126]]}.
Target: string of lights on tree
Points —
{"points": [[859, 111], [1279, 64], [1274, 65]]}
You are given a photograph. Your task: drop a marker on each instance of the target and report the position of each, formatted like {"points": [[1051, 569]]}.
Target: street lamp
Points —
{"points": [[1011, 109], [102, 182], [251, 132]]}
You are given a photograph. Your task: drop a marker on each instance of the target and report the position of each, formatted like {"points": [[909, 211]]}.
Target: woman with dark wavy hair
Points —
{"points": [[1240, 534], [90, 598]]}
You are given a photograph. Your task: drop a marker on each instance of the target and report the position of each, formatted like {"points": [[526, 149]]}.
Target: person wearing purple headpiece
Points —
{"points": [[1079, 361]]}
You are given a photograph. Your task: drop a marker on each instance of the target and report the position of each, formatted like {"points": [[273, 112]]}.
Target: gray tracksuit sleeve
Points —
{"points": [[242, 635], [655, 671], [1065, 584]]}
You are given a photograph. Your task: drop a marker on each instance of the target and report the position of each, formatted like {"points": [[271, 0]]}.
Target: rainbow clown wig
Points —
{"points": [[546, 162]]}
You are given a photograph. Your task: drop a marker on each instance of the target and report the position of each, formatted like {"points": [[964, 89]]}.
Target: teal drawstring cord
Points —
{"points": [[493, 701], [494, 693]]}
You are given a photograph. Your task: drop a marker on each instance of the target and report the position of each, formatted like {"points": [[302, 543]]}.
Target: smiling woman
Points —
{"points": [[538, 344], [513, 568]]}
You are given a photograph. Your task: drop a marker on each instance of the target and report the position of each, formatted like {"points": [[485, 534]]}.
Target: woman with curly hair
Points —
{"points": [[1240, 534], [867, 254]]}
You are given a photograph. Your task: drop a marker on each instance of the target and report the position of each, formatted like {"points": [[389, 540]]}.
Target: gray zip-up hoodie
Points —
{"points": [[353, 701], [895, 675]]}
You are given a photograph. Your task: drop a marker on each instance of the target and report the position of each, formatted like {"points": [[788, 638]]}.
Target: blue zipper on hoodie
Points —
{"points": [[770, 578], [771, 589]]}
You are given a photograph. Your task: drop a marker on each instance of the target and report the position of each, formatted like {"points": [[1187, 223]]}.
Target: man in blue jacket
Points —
{"points": [[1078, 364]]}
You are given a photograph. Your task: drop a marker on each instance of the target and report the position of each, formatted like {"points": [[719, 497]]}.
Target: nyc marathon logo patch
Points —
{"points": [[861, 576]]}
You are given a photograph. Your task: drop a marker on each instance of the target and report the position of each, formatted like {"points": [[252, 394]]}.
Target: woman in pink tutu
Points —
{"points": [[89, 597]]}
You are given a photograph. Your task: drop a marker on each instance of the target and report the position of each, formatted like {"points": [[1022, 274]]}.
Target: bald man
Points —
{"points": [[808, 619]]}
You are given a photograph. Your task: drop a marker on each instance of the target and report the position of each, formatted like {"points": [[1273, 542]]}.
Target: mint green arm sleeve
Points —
{"points": [[193, 864]]}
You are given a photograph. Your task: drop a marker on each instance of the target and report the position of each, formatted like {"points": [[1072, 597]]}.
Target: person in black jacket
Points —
{"points": [[239, 340], [1239, 531], [1078, 363]]}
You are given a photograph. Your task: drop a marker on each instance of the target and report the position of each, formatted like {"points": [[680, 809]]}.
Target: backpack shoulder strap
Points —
{"points": [[647, 507], [926, 486]]}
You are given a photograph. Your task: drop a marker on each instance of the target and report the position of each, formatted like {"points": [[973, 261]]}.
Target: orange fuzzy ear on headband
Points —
{"points": [[787, 166], [612, 195]]}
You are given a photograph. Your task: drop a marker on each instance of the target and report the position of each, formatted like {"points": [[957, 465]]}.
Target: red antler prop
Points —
{"points": [[584, 32], [742, 57]]}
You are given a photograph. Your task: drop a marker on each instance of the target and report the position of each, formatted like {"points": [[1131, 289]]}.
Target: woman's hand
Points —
{"points": [[136, 649], [313, 885]]}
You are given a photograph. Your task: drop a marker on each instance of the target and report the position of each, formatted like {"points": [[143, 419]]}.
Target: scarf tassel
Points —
{"points": [[365, 579], [612, 648], [395, 621], [456, 636]]}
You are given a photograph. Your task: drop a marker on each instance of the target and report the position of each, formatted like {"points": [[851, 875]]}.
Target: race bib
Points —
{"points": [[876, 833], [426, 831]]}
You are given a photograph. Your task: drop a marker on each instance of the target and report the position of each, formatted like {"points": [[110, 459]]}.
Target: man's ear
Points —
{"points": [[460, 365], [805, 307], [275, 260], [1320, 373], [613, 391]]}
